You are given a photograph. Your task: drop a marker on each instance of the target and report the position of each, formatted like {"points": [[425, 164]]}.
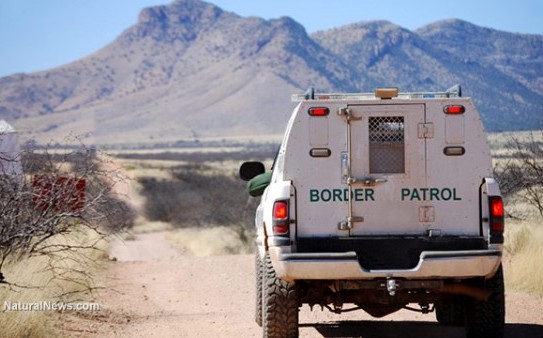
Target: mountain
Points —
{"points": [[447, 52], [519, 56], [510, 85], [191, 70]]}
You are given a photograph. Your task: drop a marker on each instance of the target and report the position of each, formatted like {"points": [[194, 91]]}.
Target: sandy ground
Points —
{"points": [[155, 290]]}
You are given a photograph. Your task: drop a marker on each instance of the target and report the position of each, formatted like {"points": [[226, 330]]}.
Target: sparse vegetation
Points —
{"points": [[54, 220], [72, 274], [59, 194], [199, 189], [199, 193], [200, 197], [221, 240], [199, 156], [524, 252], [519, 169], [195, 197]]}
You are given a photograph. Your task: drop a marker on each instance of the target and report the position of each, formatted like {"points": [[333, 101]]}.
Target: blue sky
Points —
{"points": [[42, 34]]}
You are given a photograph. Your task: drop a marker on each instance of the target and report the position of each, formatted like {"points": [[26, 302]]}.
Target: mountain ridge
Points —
{"points": [[190, 69]]}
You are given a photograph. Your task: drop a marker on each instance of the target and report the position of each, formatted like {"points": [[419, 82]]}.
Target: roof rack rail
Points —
{"points": [[455, 91]]}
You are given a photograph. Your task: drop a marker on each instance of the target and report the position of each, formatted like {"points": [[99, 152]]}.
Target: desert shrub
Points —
{"points": [[519, 170], [197, 198], [520, 174], [54, 220], [62, 192]]}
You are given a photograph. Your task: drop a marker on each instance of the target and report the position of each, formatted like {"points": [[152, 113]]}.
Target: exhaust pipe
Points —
{"points": [[481, 294]]}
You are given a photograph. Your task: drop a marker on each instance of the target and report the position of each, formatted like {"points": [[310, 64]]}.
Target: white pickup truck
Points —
{"points": [[380, 200]]}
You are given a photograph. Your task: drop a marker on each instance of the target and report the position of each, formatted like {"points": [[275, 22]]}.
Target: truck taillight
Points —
{"points": [[280, 218], [454, 109], [496, 219], [318, 111]]}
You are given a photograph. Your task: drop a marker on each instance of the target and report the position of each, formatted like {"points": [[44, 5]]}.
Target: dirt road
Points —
{"points": [[157, 291]]}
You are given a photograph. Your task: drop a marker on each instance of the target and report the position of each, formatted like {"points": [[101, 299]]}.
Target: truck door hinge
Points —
{"points": [[426, 130], [348, 113]]}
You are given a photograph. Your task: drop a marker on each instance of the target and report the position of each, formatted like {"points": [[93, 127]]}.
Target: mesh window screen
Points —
{"points": [[387, 148]]}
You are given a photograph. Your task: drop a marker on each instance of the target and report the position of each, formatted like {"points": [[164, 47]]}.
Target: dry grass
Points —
{"points": [[523, 245], [221, 240], [144, 227], [524, 257], [36, 283]]}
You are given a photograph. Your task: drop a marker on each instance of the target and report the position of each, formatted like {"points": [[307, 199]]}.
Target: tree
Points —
{"points": [[59, 193], [522, 173]]}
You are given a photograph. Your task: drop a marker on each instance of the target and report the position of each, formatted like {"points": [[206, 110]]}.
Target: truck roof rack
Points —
{"points": [[454, 91]]}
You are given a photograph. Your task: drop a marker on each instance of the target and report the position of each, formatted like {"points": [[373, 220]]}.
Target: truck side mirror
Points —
{"points": [[249, 170]]}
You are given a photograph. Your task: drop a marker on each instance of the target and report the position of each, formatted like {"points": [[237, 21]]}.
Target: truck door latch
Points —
{"points": [[366, 181], [348, 223]]}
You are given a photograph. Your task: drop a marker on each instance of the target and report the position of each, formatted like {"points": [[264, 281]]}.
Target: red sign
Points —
{"points": [[62, 194]]}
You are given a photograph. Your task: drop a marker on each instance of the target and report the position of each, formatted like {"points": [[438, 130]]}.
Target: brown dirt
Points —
{"points": [[157, 291]]}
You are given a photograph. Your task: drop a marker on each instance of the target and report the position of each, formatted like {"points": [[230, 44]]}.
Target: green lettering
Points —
{"points": [[358, 195], [313, 195], [337, 194], [446, 196], [456, 198], [415, 195], [326, 195], [424, 190], [434, 194], [342, 195], [369, 194], [405, 193]]}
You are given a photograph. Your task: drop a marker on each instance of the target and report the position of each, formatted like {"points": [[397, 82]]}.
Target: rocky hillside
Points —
{"points": [[190, 69], [503, 72]]}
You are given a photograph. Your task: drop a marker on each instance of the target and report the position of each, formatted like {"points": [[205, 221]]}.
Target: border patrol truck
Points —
{"points": [[381, 201]]}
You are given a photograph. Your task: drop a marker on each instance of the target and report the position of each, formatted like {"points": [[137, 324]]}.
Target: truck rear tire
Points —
{"points": [[280, 305], [258, 284], [487, 318]]}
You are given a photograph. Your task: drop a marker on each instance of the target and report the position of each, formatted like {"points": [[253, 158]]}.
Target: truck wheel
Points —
{"points": [[280, 305], [258, 284], [450, 312], [487, 318]]}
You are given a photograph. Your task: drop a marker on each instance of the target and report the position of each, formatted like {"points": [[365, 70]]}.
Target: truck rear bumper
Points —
{"points": [[431, 265]]}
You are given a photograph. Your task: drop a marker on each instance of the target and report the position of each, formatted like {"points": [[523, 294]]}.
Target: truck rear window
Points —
{"points": [[387, 148]]}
